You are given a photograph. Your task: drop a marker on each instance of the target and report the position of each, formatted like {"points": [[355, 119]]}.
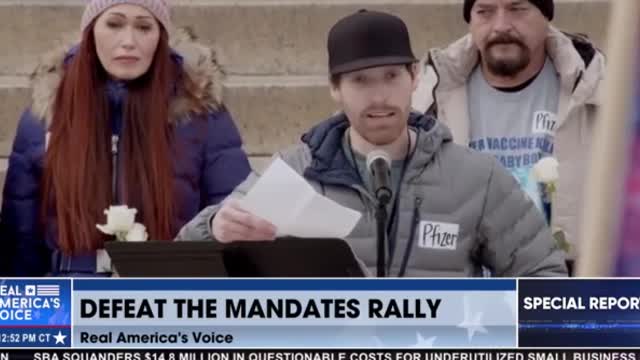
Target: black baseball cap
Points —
{"points": [[368, 39]]}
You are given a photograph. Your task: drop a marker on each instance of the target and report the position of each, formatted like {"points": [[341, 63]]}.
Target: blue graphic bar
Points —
{"points": [[296, 284]]}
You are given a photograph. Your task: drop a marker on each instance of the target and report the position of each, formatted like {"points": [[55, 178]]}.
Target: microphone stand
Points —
{"points": [[381, 230], [379, 165]]}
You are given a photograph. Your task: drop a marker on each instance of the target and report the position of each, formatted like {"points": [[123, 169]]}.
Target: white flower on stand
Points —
{"points": [[121, 223], [119, 219], [545, 171], [137, 233]]}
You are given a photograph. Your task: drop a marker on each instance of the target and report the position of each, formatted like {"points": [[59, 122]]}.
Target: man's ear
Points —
{"points": [[336, 95]]}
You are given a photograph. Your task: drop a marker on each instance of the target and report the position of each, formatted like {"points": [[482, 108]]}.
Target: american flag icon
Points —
{"points": [[48, 290]]}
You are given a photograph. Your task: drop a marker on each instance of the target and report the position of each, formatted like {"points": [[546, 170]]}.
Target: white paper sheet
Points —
{"points": [[285, 199]]}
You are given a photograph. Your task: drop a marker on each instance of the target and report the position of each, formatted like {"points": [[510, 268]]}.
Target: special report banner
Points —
{"points": [[294, 313], [576, 312]]}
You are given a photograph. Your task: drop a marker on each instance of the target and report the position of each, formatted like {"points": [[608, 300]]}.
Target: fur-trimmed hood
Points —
{"points": [[202, 77]]}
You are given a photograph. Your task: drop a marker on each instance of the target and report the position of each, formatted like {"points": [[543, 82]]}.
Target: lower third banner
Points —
{"points": [[299, 313]]}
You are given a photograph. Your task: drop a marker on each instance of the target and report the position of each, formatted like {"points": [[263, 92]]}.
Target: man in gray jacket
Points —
{"points": [[442, 190]]}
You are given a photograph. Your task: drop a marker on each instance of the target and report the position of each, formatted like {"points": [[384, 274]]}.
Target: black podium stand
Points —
{"points": [[285, 257]]}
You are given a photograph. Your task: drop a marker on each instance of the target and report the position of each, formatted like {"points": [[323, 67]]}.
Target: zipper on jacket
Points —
{"points": [[114, 168], [392, 231], [414, 225]]}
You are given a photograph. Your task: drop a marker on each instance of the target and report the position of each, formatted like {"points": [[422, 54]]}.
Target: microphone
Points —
{"points": [[379, 165]]}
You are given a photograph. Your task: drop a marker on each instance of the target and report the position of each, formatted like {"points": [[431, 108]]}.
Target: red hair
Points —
{"points": [[77, 165]]}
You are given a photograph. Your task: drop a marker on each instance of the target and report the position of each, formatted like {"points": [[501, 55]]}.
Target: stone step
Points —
{"points": [[278, 38], [259, 37], [271, 112]]}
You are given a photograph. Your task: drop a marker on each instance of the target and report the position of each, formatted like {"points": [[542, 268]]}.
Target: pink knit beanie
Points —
{"points": [[159, 9]]}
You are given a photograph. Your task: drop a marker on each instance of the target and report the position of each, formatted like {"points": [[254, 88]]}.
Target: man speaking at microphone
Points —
{"points": [[451, 211]]}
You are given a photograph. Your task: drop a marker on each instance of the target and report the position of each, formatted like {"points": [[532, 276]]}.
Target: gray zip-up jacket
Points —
{"points": [[457, 210]]}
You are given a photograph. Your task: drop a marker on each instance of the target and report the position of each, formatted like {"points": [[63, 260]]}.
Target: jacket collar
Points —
{"points": [[329, 164], [201, 77]]}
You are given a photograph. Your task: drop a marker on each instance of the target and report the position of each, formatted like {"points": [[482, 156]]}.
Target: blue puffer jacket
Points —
{"points": [[211, 161]]}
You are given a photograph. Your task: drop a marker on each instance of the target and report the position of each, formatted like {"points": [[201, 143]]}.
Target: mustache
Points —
{"points": [[504, 39]]}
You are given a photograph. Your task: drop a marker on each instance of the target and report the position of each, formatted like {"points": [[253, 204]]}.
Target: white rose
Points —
{"points": [[546, 170], [120, 219], [137, 233]]}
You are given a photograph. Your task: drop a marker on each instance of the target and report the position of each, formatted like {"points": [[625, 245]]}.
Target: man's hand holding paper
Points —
{"points": [[282, 203]]}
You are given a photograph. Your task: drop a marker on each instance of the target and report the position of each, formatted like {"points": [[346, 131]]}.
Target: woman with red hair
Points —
{"points": [[122, 118]]}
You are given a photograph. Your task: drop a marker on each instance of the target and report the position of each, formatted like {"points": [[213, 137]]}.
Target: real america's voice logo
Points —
{"points": [[20, 302]]}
